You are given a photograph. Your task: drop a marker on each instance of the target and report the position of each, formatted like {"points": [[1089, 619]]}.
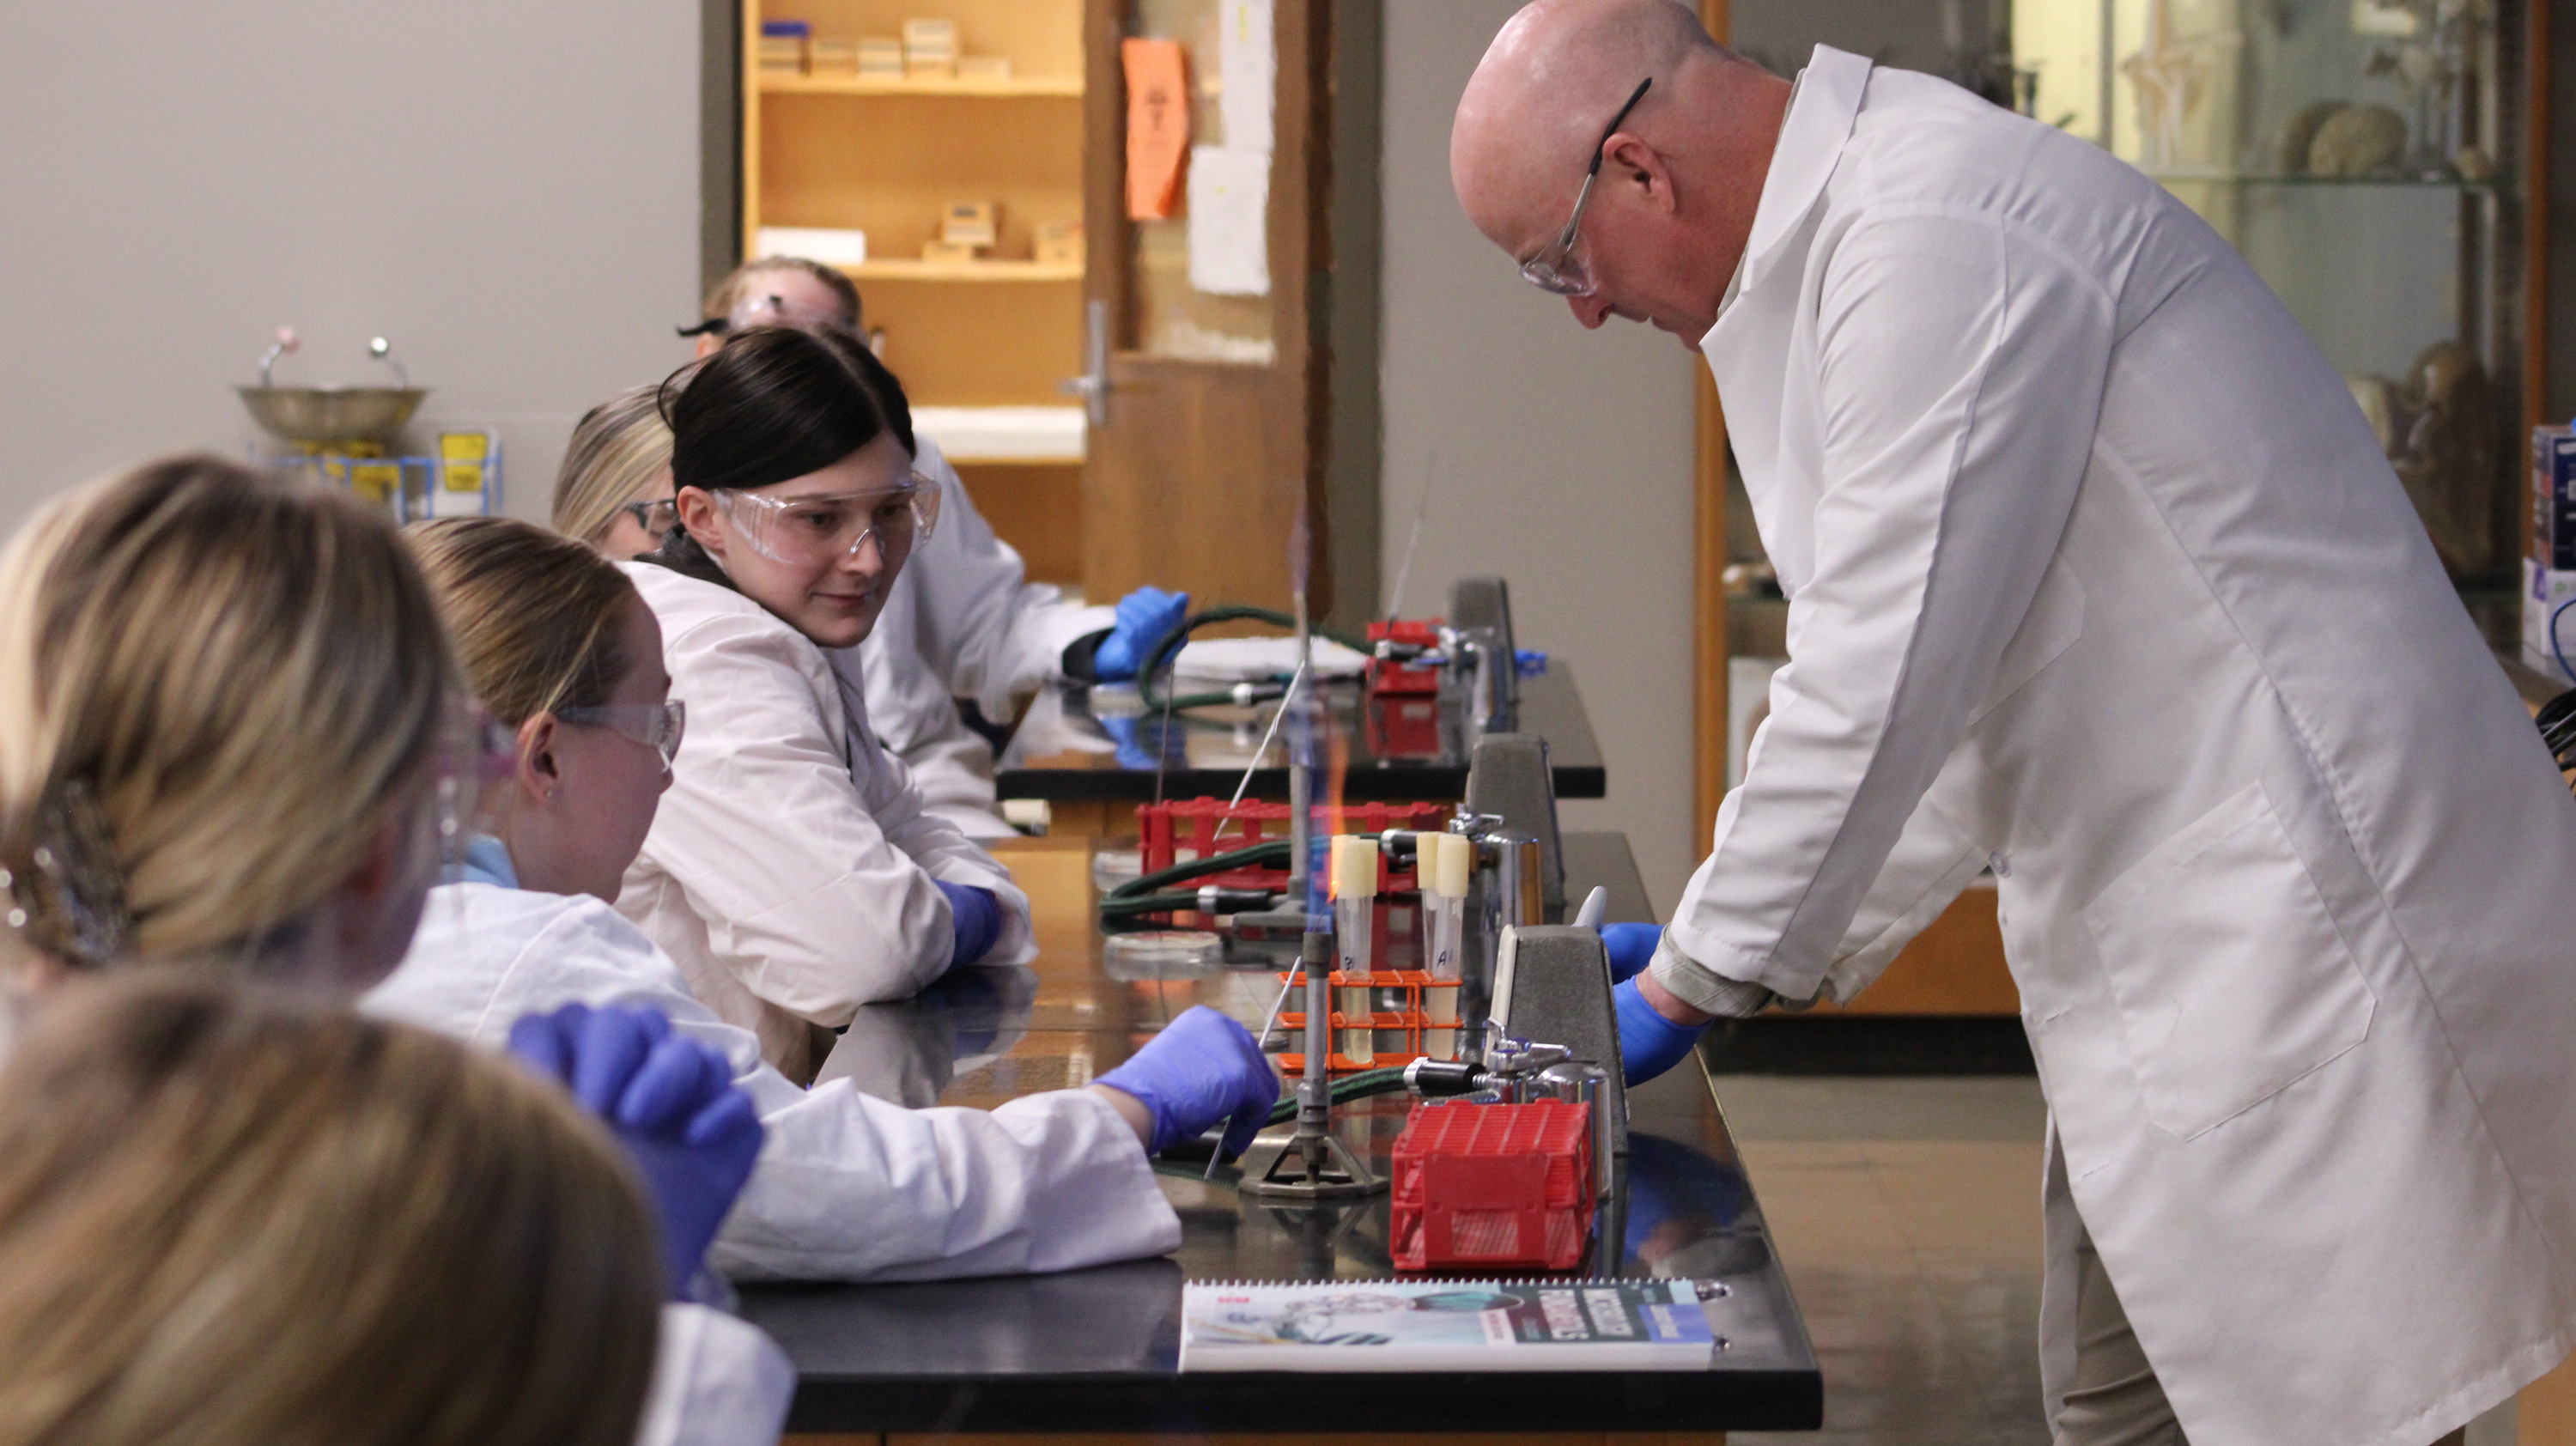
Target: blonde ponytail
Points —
{"points": [[215, 687]]}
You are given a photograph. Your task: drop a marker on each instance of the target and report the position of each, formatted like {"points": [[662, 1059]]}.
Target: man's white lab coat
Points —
{"points": [[848, 1187], [963, 621], [2098, 576], [789, 870]]}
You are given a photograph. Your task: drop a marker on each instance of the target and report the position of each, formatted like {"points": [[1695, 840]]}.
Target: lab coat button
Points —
{"points": [[2001, 865]]}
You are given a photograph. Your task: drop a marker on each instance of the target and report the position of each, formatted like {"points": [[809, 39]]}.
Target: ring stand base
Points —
{"points": [[1343, 1175]]}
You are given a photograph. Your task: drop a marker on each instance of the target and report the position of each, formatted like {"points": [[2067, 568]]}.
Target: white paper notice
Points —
{"points": [[1249, 68], [1230, 221]]}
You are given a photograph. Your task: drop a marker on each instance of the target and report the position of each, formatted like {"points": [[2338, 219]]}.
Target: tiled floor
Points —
{"points": [[1907, 1212]]}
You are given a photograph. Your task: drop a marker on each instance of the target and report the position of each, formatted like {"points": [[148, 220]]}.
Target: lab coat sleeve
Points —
{"points": [[848, 1187], [810, 898], [1962, 377], [984, 627], [943, 851], [717, 1381]]}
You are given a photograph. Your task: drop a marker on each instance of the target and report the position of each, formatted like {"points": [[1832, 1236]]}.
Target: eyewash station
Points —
{"points": [[1454, 1134]]}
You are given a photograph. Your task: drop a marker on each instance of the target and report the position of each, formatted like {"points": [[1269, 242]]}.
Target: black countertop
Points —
{"points": [[1098, 1350], [1064, 751]]}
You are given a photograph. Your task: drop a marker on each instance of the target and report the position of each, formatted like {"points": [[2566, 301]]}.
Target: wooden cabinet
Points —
{"points": [[824, 145]]}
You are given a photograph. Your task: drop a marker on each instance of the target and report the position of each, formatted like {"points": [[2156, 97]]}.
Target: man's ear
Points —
{"points": [[697, 511], [1642, 168]]}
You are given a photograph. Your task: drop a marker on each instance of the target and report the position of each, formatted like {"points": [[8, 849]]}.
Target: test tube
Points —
{"points": [[1354, 878], [1443, 864]]}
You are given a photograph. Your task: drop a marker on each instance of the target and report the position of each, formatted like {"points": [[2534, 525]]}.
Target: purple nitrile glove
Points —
{"points": [[978, 916], [1649, 1044], [671, 1102], [1201, 1069], [1632, 948], [1145, 617]]}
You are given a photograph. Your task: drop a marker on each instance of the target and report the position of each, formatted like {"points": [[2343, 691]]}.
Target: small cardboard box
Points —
{"points": [[1059, 243], [971, 223], [782, 54], [880, 57], [834, 55], [2553, 497], [946, 251], [2545, 591]]}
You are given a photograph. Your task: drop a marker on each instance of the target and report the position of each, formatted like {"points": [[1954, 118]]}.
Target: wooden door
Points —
{"points": [[1206, 436]]}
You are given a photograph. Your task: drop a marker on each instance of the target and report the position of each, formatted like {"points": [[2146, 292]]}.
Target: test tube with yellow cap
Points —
{"points": [[1354, 884], [1443, 862]]}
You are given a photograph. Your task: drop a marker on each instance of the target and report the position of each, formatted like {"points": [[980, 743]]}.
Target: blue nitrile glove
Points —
{"points": [[1145, 617], [979, 920], [672, 1103], [1649, 1044], [1130, 750], [1632, 948], [1202, 1068]]}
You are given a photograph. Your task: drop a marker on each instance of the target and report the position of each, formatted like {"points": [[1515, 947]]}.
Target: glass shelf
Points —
{"points": [[2326, 140]]}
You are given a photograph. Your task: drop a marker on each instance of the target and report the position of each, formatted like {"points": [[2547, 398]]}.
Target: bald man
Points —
{"points": [[2097, 580]]}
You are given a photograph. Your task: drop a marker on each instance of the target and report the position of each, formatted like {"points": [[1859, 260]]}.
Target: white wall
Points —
{"points": [[1564, 455], [506, 190]]}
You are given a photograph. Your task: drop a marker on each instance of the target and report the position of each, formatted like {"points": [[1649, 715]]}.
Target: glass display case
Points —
{"points": [[2366, 157]]}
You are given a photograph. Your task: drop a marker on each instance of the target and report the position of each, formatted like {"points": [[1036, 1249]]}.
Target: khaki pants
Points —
{"points": [[2116, 1399]]}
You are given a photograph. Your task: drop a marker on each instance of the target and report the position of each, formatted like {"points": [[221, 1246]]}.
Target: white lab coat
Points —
{"points": [[2096, 574], [963, 621], [717, 1381], [789, 870], [848, 1187]]}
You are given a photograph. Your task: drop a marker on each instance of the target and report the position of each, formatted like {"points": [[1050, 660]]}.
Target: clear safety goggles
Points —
{"points": [[657, 726], [826, 529], [1556, 269]]}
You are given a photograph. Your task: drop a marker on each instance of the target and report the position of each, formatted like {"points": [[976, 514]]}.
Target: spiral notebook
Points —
{"points": [[1444, 1325]]}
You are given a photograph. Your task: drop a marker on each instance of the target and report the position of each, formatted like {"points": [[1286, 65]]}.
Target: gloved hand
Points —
{"points": [[978, 917], [669, 1099], [1649, 1044], [1632, 948], [1130, 745], [1145, 617], [1202, 1068]]}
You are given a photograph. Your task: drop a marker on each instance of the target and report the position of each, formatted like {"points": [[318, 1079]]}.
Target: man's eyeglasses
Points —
{"points": [[654, 517], [1555, 269]]}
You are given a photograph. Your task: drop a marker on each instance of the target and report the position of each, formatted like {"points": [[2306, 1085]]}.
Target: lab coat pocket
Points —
{"points": [[2230, 977]]}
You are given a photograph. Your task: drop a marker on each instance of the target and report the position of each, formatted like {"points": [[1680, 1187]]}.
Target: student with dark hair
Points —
{"points": [[793, 872], [963, 624]]}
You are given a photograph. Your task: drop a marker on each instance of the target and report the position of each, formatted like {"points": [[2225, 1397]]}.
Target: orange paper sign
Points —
{"points": [[1158, 126]]}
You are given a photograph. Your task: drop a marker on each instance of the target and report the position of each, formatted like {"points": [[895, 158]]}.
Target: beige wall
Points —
{"points": [[1564, 455], [509, 191]]}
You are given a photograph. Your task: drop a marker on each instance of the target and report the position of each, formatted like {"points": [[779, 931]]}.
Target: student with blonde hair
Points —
{"points": [[561, 647], [232, 741], [213, 1230], [614, 489]]}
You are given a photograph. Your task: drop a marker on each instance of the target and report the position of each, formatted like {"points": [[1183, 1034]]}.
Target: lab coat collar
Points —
{"points": [[1821, 112], [486, 861]]}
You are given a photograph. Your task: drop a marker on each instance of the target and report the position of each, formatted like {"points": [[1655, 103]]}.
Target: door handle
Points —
{"points": [[1093, 385]]}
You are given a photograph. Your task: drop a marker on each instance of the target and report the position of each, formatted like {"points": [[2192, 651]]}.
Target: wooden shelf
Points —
{"points": [[900, 268], [1013, 85]]}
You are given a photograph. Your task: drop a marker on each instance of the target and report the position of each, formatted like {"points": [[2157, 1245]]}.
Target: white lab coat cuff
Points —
{"points": [[1703, 988]]}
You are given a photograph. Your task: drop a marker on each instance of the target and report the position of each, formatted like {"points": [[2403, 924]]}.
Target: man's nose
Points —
{"points": [[1590, 310]]}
